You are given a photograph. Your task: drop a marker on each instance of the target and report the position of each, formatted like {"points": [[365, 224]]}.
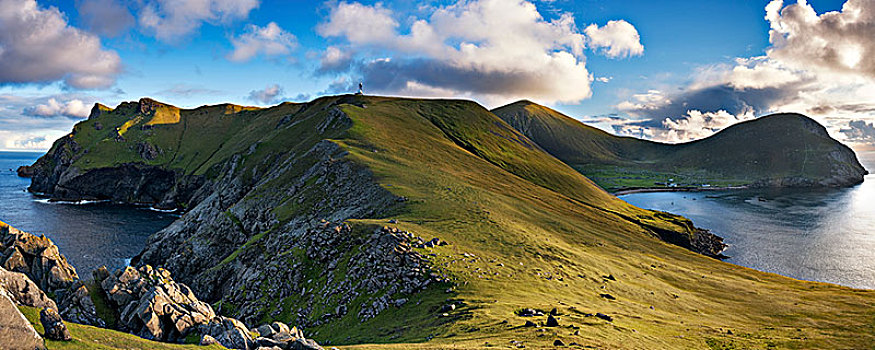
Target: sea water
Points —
{"points": [[825, 235], [88, 233]]}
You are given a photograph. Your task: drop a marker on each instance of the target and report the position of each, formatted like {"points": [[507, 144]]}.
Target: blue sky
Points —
{"points": [[666, 70]]}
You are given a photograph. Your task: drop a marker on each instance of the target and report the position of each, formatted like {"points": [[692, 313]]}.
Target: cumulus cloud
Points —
{"points": [[269, 95], [270, 40], [816, 64], [73, 108], [37, 45], [105, 17], [860, 131], [360, 24], [34, 122], [837, 41], [335, 59], [617, 39], [170, 20], [493, 50]]}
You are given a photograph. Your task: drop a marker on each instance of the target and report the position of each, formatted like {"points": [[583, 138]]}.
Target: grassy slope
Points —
{"points": [[489, 193], [740, 154], [477, 183], [92, 338]]}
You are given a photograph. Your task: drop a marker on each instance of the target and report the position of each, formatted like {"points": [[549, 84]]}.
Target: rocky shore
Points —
{"points": [[148, 302]]}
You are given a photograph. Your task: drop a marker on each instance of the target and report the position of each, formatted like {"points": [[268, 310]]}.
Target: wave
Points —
{"points": [[79, 202], [162, 210]]}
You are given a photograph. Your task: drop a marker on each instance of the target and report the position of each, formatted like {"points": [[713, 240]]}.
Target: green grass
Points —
{"points": [[525, 231], [772, 147], [93, 338]]}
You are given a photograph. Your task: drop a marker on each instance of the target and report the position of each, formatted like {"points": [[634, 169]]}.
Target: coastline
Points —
{"points": [[627, 191]]}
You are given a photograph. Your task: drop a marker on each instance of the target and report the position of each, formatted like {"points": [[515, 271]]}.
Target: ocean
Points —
{"points": [[88, 234], [825, 235]]}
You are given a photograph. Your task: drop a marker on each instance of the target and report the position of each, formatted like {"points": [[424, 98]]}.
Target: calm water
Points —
{"points": [[818, 235], [89, 235]]}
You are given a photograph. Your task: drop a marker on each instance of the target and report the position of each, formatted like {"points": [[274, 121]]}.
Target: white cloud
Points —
{"points": [[860, 131], [837, 41], [270, 40], [817, 64], [73, 108], [335, 59], [38, 46], [692, 126], [170, 20], [269, 95], [618, 39], [105, 17], [491, 50], [360, 24]]}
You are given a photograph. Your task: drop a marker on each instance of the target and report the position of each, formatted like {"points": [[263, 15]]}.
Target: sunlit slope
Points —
{"points": [[544, 237], [776, 150], [525, 231]]}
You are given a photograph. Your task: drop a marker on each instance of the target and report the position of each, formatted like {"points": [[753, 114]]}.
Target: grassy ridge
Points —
{"points": [[766, 149], [546, 241], [525, 231]]}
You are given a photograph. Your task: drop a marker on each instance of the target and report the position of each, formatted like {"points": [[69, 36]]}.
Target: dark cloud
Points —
{"points": [[716, 98]]}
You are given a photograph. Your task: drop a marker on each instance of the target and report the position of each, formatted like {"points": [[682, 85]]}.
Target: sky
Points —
{"points": [[670, 71]]}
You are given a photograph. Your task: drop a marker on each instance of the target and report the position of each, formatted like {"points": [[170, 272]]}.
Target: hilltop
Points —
{"points": [[786, 150], [408, 223]]}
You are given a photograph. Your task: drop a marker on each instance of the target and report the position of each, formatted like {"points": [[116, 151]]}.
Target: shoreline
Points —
{"points": [[624, 192]]}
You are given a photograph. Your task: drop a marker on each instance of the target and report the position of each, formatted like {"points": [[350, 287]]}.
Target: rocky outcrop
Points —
{"points": [[39, 259], [54, 326], [25, 171], [154, 306], [16, 332], [36, 257], [254, 247], [22, 291], [77, 306]]}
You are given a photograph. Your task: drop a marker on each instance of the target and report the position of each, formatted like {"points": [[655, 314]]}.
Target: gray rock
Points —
{"points": [[229, 332], [17, 333], [54, 326], [265, 331], [154, 306], [22, 291]]}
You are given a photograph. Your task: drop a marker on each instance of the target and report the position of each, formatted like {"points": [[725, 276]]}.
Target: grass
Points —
{"points": [[92, 338], [768, 148], [525, 231]]}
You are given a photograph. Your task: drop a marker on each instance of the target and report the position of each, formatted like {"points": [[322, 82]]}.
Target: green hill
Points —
{"points": [[524, 231], [776, 150]]}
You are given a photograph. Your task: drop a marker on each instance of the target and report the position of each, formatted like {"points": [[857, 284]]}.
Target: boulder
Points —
{"points": [[265, 331], [36, 257], [551, 321], [22, 291], [76, 306], [54, 326], [16, 333], [154, 306], [229, 332]]}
